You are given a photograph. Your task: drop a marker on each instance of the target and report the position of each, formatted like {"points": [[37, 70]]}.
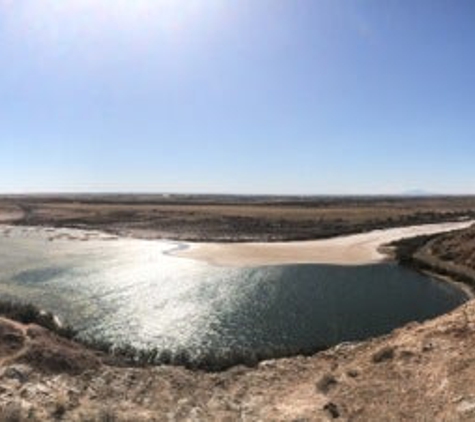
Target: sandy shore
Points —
{"points": [[359, 249]]}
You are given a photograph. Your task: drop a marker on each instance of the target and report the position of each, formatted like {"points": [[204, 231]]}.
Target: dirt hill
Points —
{"points": [[456, 248], [420, 372]]}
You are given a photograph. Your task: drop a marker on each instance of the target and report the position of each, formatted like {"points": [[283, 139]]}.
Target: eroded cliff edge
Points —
{"points": [[419, 372]]}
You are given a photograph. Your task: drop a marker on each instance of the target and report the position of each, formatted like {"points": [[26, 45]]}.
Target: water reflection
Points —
{"points": [[130, 291]]}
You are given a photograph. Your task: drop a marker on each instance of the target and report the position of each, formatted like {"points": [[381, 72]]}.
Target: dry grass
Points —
{"points": [[232, 219], [458, 248]]}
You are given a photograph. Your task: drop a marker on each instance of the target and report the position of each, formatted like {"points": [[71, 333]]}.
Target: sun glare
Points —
{"points": [[165, 13], [53, 21]]}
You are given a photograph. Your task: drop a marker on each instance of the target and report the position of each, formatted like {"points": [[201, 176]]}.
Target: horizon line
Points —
{"points": [[234, 194]]}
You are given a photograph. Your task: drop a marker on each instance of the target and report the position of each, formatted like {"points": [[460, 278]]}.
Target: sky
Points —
{"points": [[237, 96]]}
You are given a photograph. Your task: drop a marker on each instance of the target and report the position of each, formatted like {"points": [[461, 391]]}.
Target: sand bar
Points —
{"points": [[358, 249]]}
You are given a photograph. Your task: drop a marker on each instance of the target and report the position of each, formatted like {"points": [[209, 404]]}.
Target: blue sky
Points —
{"points": [[237, 96]]}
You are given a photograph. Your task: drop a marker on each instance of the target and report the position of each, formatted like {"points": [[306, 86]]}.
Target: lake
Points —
{"points": [[132, 291]]}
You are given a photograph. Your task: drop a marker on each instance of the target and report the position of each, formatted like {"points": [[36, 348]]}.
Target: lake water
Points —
{"points": [[130, 291]]}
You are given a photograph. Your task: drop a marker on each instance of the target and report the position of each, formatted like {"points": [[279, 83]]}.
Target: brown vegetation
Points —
{"points": [[222, 218], [451, 254], [457, 248], [42, 349]]}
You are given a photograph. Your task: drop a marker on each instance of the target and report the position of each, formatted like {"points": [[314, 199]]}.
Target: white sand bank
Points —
{"points": [[356, 249]]}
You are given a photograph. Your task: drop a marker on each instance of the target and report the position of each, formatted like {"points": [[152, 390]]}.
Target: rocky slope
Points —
{"points": [[454, 252], [420, 372], [457, 247]]}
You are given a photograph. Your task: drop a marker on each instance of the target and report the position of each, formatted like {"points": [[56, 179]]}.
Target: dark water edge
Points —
{"points": [[296, 310]]}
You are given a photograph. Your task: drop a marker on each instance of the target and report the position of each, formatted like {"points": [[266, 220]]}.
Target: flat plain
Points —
{"points": [[221, 218]]}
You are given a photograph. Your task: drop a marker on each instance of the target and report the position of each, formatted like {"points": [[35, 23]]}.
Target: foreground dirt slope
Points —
{"points": [[421, 372]]}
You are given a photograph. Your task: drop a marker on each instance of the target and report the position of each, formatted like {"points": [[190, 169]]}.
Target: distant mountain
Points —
{"points": [[418, 192]]}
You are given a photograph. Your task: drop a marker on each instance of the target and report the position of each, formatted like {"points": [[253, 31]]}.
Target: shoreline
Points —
{"points": [[346, 250], [357, 249], [445, 278], [177, 247]]}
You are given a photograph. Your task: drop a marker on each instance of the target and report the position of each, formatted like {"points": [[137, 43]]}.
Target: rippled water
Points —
{"points": [[129, 291]]}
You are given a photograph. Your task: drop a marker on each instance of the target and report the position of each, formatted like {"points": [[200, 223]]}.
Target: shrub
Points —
{"points": [[30, 314]]}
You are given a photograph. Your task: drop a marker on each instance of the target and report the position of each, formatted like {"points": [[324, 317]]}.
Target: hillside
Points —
{"points": [[456, 248], [420, 372], [451, 254]]}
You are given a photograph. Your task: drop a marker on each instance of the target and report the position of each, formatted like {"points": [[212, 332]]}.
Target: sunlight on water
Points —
{"points": [[131, 291]]}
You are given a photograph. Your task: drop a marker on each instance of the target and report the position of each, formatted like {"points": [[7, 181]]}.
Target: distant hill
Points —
{"points": [[418, 192]]}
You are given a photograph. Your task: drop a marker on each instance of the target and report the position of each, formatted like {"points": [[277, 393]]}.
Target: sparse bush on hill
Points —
{"points": [[406, 248], [30, 314], [406, 254]]}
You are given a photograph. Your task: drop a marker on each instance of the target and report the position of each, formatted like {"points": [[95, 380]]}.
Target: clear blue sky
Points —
{"points": [[238, 96]]}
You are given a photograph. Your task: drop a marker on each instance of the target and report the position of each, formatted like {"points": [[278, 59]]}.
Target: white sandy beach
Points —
{"points": [[356, 249]]}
